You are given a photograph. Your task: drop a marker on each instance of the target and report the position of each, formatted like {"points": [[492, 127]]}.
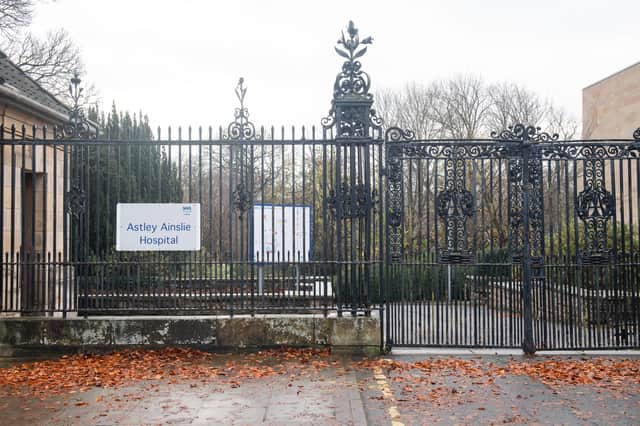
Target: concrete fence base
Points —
{"points": [[350, 334]]}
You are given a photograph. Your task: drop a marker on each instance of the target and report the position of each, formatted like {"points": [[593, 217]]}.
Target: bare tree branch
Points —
{"points": [[412, 108], [560, 122], [462, 107], [14, 15], [511, 104], [465, 107], [51, 62]]}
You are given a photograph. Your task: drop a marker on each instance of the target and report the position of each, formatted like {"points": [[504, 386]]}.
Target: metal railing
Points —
{"points": [[68, 261], [516, 240], [521, 240]]}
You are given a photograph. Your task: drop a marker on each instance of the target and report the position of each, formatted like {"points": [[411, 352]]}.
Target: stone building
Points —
{"points": [[611, 106], [33, 190], [611, 110]]}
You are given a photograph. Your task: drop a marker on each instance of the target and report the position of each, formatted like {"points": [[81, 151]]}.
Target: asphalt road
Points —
{"points": [[445, 389]]}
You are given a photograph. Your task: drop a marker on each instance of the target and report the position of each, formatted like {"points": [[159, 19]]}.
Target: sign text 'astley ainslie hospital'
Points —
{"points": [[158, 227]]}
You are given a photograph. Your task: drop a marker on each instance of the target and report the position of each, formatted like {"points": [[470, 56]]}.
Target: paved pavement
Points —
{"points": [[343, 390], [327, 399], [451, 398]]}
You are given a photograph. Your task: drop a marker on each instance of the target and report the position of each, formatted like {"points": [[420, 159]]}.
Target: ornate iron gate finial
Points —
{"points": [[351, 110], [241, 129], [77, 126], [353, 118]]}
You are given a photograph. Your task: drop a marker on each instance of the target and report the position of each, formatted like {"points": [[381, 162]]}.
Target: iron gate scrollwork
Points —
{"points": [[352, 202], [394, 138], [595, 206], [518, 145], [521, 147], [76, 200], [77, 127], [454, 205]]}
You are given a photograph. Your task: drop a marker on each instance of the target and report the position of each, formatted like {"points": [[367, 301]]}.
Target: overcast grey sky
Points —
{"points": [[179, 61]]}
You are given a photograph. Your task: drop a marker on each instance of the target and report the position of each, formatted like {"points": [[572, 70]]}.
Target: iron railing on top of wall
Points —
{"points": [[68, 262], [436, 239]]}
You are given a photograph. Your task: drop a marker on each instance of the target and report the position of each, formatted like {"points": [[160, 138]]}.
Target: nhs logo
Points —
{"points": [[186, 210]]}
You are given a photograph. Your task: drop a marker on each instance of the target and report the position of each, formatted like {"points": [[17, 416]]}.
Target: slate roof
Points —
{"points": [[13, 77]]}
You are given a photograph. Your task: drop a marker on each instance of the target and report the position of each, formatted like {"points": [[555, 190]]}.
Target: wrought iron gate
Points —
{"points": [[517, 241], [520, 240]]}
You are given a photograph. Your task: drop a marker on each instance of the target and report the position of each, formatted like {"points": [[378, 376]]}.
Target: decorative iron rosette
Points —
{"points": [[241, 199]]}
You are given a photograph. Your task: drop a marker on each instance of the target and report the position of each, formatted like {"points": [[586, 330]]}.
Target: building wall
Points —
{"points": [[611, 107], [29, 179], [32, 186], [611, 110]]}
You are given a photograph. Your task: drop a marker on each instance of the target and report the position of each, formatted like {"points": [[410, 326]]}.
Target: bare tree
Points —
{"points": [[560, 122], [14, 16], [51, 61], [466, 107], [461, 108], [411, 108], [511, 104]]}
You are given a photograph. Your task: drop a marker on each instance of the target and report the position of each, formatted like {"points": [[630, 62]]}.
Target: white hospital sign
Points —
{"points": [[158, 227]]}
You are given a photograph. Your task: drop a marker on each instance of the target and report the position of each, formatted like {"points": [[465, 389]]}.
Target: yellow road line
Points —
{"points": [[387, 393]]}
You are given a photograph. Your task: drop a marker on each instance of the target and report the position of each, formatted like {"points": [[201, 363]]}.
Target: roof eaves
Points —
{"points": [[38, 85], [18, 98]]}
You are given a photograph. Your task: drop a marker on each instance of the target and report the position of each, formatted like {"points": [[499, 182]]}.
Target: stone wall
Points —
{"points": [[357, 334]]}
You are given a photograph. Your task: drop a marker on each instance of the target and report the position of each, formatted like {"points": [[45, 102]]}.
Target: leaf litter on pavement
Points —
{"points": [[421, 380], [78, 373], [454, 380]]}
